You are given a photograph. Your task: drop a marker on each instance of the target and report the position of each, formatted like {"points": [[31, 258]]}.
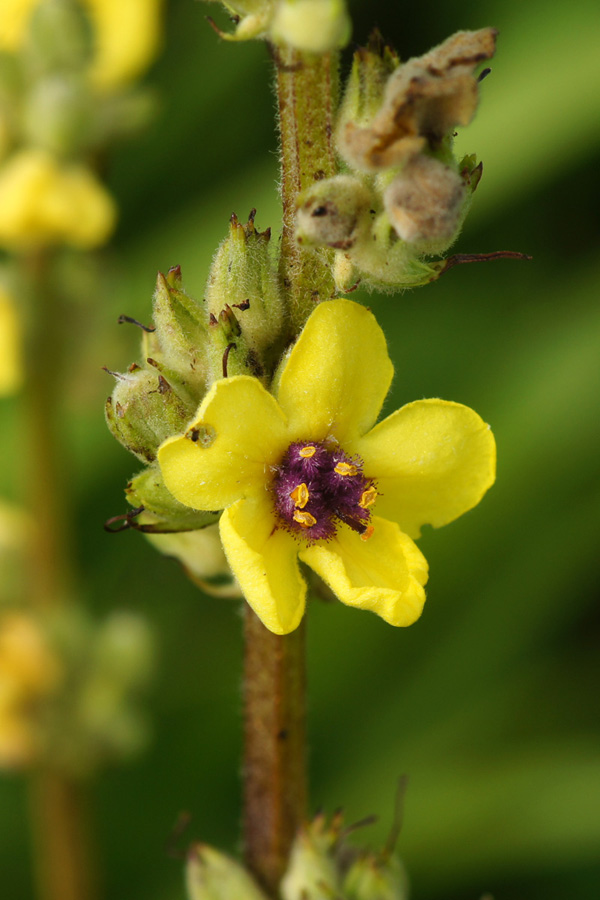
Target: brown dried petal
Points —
{"points": [[425, 202], [424, 99]]}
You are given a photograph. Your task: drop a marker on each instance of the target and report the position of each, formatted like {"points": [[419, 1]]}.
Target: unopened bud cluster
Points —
{"points": [[62, 69], [405, 195], [322, 866], [312, 26], [70, 689], [237, 329]]}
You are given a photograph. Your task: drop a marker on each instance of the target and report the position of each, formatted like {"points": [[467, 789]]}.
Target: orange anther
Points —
{"points": [[307, 452], [344, 468], [368, 497], [304, 518], [300, 496], [368, 533]]}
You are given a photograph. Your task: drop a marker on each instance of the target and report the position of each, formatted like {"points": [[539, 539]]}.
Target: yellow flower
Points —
{"points": [[304, 474], [127, 35], [44, 202], [11, 370], [28, 672]]}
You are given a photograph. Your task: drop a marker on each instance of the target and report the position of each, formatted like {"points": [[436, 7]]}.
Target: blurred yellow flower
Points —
{"points": [[28, 672], [11, 367], [300, 474], [127, 35], [43, 202], [128, 38]]}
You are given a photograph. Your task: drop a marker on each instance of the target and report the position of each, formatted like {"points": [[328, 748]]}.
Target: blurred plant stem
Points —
{"points": [[60, 825], [62, 839], [275, 780], [307, 88]]}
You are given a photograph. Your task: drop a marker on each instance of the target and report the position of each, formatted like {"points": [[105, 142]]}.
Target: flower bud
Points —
{"points": [[211, 875], [124, 649], [253, 19], [376, 878], [363, 96], [144, 410], [423, 101], [59, 37], [334, 212], [426, 204], [314, 26], [244, 303], [312, 871], [58, 115], [162, 512], [180, 337]]}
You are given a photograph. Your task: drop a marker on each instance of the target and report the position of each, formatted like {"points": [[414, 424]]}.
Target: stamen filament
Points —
{"points": [[354, 524]]}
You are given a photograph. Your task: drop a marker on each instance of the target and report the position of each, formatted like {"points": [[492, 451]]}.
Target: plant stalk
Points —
{"points": [[275, 783], [62, 837], [275, 780], [307, 88], [62, 846]]}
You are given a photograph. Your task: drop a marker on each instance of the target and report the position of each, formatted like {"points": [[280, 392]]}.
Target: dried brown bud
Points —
{"points": [[424, 100], [425, 202], [334, 212]]}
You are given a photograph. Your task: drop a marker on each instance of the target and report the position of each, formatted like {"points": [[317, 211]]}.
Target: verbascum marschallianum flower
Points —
{"points": [[11, 370], [307, 474], [45, 202], [127, 35]]}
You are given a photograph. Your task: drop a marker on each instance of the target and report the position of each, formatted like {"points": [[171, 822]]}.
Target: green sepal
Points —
{"points": [[144, 410], [376, 876], [244, 302], [371, 67], [162, 513], [211, 875], [181, 330], [470, 171]]}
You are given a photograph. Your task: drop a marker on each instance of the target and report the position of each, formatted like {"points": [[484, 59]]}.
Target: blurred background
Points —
{"points": [[490, 702]]}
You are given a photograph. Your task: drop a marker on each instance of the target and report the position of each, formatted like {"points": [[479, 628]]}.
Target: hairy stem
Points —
{"points": [[306, 94], [275, 781], [275, 747], [60, 824]]}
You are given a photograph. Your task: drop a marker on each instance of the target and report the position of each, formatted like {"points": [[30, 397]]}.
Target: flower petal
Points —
{"points": [[433, 460], [226, 452], [385, 574], [338, 374], [264, 561]]}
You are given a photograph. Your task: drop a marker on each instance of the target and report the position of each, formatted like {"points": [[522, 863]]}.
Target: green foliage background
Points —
{"points": [[490, 702]]}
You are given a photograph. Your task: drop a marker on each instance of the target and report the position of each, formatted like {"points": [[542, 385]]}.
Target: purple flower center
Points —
{"points": [[317, 486]]}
